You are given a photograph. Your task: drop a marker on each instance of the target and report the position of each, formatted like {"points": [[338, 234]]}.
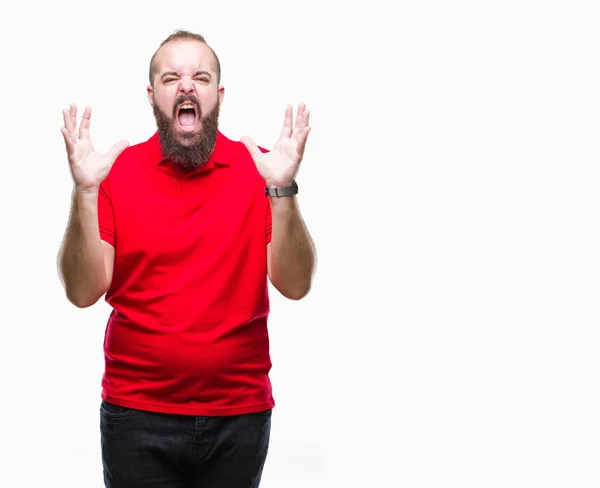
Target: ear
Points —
{"points": [[221, 92], [150, 95]]}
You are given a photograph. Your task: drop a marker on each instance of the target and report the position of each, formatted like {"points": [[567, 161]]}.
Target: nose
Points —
{"points": [[186, 86]]}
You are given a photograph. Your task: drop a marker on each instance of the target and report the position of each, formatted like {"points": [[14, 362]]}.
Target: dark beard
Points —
{"points": [[193, 155]]}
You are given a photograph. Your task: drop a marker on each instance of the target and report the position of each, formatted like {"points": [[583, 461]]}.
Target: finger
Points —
{"points": [[84, 128], [300, 113], [299, 127], [253, 149], [68, 128], [68, 141], [286, 132], [301, 108], [302, 138], [306, 118], [117, 149], [68, 125], [303, 124], [73, 114]]}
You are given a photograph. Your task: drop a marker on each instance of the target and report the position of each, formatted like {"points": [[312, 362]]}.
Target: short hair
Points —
{"points": [[183, 34]]}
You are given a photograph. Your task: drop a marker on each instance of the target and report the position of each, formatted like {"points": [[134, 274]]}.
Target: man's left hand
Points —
{"points": [[280, 166]]}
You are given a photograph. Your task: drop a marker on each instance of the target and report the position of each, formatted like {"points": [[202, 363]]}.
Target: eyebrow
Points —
{"points": [[174, 73]]}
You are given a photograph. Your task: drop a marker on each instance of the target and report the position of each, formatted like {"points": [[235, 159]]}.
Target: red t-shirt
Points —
{"points": [[188, 330]]}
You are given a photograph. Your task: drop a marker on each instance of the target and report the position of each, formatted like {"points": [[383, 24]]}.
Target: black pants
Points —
{"points": [[147, 449]]}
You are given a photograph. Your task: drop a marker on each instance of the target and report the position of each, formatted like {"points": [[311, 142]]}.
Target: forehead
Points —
{"points": [[184, 55]]}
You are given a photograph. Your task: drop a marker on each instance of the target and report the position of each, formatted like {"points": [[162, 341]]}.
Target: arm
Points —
{"points": [[85, 261], [291, 254]]}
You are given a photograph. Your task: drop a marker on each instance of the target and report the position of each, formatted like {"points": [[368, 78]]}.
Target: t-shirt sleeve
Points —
{"points": [[106, 217], [268, 223]]}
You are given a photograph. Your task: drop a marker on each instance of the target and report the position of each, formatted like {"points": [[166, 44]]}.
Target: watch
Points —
{"points": [[282, 191]]}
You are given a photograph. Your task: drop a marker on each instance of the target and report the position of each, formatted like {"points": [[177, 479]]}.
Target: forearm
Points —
{"points": [[81, 257], [293, 253]]}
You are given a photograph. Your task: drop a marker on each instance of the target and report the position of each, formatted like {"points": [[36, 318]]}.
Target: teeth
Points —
{"points": [[187, 105]]}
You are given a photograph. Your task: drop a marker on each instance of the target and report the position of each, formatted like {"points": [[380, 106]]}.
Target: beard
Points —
{"points": [[197, 147]]}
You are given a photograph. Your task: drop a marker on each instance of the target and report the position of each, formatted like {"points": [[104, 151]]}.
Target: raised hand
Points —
{"points": [[88, 167], [280, 166]]}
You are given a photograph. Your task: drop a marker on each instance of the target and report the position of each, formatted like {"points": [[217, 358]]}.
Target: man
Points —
{"points": [[181, 233]]}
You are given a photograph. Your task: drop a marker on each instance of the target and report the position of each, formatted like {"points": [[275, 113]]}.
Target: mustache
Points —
{"points": [[189, 99]]}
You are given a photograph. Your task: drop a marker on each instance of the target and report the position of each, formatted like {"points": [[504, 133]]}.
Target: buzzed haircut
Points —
{"points": [[183, 34]]}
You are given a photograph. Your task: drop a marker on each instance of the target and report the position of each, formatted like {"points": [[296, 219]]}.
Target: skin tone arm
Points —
{"points": [[85, 262], [291, 254]]}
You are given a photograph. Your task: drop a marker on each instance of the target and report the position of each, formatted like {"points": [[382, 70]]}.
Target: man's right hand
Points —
{"points": [[88, 167]]}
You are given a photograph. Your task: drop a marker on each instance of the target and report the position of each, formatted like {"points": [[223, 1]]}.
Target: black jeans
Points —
{"points": [[147, 449]]}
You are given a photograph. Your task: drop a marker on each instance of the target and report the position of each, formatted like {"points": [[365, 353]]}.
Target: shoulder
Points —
{"points": [[128, 164], [242, 163], [135, 155], [142, 151], [238, 152]]}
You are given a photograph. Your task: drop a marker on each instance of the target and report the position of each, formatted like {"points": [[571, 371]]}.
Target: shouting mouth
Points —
{"points": [[187, 117]]}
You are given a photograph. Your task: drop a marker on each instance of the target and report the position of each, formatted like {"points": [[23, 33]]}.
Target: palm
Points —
{"points": [[287, 149], [88, 167]]}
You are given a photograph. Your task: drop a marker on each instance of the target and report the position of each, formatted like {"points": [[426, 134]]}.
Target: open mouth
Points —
{"points": [[187, 117]]}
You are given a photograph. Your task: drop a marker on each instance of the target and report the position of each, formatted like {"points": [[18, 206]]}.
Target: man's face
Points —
{"points": [[186, 99]]}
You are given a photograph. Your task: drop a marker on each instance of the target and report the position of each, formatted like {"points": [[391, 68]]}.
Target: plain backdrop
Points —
{"points": [[450, 184]]}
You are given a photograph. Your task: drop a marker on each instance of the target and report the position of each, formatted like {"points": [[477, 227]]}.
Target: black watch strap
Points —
{"points": [[282, 191]]}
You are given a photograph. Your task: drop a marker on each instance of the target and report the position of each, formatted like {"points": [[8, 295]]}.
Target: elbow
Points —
{"points": [[82, 303], [295, 288], [82, 300], [296, 293], [296, 296], [81, 290]]}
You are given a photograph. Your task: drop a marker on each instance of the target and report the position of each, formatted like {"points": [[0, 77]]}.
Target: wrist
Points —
{"points": [[280, 184], [282, 207], [280, 179], [282, 191], [85, 194], [86, 190]]}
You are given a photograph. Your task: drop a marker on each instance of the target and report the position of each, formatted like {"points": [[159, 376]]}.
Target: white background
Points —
{"points": [[450, 184]]}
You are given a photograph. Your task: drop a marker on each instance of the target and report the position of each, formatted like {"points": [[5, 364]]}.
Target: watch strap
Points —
{"points": [[282, 191]]}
